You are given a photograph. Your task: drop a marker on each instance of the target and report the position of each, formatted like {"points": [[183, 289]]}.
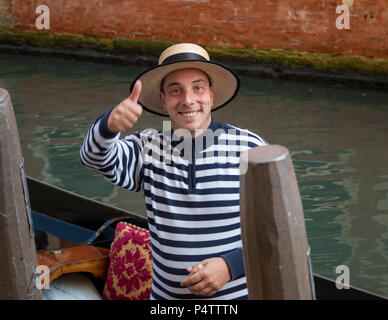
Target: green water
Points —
{"points": [[338, 139]]}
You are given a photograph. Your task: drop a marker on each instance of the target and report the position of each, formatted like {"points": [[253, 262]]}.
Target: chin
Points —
{"points": [[190, 128], [191, 125]]}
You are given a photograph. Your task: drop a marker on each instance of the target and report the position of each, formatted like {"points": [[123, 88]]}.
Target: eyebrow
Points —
{"points": [[173, 84], [177, 83]]}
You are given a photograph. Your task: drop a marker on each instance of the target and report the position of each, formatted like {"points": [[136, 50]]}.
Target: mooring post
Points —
{"points": [[273, 229], [18, 260]]}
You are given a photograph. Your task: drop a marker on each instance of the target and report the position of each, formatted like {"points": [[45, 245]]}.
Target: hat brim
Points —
{"points": [[225, 83]]}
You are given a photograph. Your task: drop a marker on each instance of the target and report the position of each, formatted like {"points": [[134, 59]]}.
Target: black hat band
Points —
{"points": [[184, 56]]}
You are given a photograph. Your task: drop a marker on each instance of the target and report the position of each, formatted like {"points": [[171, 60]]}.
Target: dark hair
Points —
{"points": [[162, 82]]}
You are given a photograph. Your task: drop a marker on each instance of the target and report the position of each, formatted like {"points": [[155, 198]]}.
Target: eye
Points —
{"points": [[198, 88], [173, 91]]}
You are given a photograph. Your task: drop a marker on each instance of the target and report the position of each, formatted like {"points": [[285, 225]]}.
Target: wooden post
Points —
{"points": [[273, 229], [17, 245]]}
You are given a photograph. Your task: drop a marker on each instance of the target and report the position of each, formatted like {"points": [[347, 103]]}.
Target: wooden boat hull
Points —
{"points": [[80, 220]]}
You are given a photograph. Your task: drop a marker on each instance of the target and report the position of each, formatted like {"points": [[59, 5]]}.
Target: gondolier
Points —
{"points": [[188, 172]]}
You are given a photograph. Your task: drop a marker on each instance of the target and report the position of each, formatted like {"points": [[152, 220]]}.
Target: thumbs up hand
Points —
{"points": [[126, 114]]}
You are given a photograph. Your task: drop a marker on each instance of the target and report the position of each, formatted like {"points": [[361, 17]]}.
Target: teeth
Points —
{"points": [[189, 114]]}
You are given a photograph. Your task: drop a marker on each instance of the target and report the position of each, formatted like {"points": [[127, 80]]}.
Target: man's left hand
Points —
{"points": [[213, 275]]}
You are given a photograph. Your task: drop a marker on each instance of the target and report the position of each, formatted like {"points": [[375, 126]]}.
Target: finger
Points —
{"points": [[136, 91], [121, 119], [202, 290], [129, 105], [137, 109], [191, 280], [131, 116], [204, 262], [198, 287], [194, 268], [205, 292]]}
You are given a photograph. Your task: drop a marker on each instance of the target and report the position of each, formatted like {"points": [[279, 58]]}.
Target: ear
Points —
{"points": [[162, 100]]}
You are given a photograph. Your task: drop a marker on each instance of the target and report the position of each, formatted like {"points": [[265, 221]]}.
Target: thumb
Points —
{"points": [[136, 91]]}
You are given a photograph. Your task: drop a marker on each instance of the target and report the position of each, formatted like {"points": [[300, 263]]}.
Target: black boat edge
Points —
{"points": [[79, 219]]}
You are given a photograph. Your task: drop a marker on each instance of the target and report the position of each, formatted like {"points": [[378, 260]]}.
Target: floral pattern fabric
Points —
{"points": [[130, 270]]}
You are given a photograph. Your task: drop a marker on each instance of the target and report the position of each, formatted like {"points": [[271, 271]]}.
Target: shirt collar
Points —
{"points": [[213, 126]]}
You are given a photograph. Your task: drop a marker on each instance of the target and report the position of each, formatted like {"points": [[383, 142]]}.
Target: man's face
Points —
{"points": [[188, 99]]}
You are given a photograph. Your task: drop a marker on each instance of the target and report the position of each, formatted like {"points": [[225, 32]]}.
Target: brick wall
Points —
{"points": [[6, 19], [286, 24]]}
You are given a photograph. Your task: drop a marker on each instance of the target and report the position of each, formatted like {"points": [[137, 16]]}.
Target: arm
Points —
{"points": [[235, 262], [118, 160]]}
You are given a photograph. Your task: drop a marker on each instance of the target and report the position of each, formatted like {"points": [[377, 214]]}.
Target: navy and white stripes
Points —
{"points": [[191, 191]]}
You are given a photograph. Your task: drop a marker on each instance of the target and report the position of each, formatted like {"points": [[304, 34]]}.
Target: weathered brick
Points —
{"points": [[284, 24], [6, 19]]}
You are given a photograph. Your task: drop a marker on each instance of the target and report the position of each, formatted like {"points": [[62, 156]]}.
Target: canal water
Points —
{"points": [[338, 139]]}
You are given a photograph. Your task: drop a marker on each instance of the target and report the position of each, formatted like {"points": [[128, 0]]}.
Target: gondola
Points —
{"points": [[86, 222]]}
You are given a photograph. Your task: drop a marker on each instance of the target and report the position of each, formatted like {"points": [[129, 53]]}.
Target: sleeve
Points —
{"points": [[235, 262], [120, 161], [255, 140]]}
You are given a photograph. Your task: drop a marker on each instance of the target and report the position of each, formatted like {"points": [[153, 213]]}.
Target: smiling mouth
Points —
{"points": [[189, 114]]}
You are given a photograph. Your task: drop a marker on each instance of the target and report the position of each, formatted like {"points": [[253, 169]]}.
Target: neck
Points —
{"points": [[186, 133]]}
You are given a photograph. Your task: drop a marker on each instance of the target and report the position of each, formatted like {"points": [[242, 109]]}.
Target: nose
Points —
{"points": [[188, 98]]}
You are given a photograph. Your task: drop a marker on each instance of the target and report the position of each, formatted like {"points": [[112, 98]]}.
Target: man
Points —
{"points": [[188, 173]]}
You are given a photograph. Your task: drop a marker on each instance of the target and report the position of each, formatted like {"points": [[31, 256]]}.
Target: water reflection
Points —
{"points": [[337, 138]]}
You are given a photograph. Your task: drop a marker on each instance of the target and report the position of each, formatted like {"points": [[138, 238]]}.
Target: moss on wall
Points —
{"points": [[303, 59], [50, 40], [273, 57]]}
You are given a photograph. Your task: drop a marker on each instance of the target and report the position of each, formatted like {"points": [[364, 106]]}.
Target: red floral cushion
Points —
{"points": [[130, 270]]}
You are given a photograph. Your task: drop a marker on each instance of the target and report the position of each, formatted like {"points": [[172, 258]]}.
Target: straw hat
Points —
{"points": [[181, 56]]}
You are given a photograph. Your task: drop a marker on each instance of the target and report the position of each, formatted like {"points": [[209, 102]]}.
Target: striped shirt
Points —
{"points": [[191, 191]]}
